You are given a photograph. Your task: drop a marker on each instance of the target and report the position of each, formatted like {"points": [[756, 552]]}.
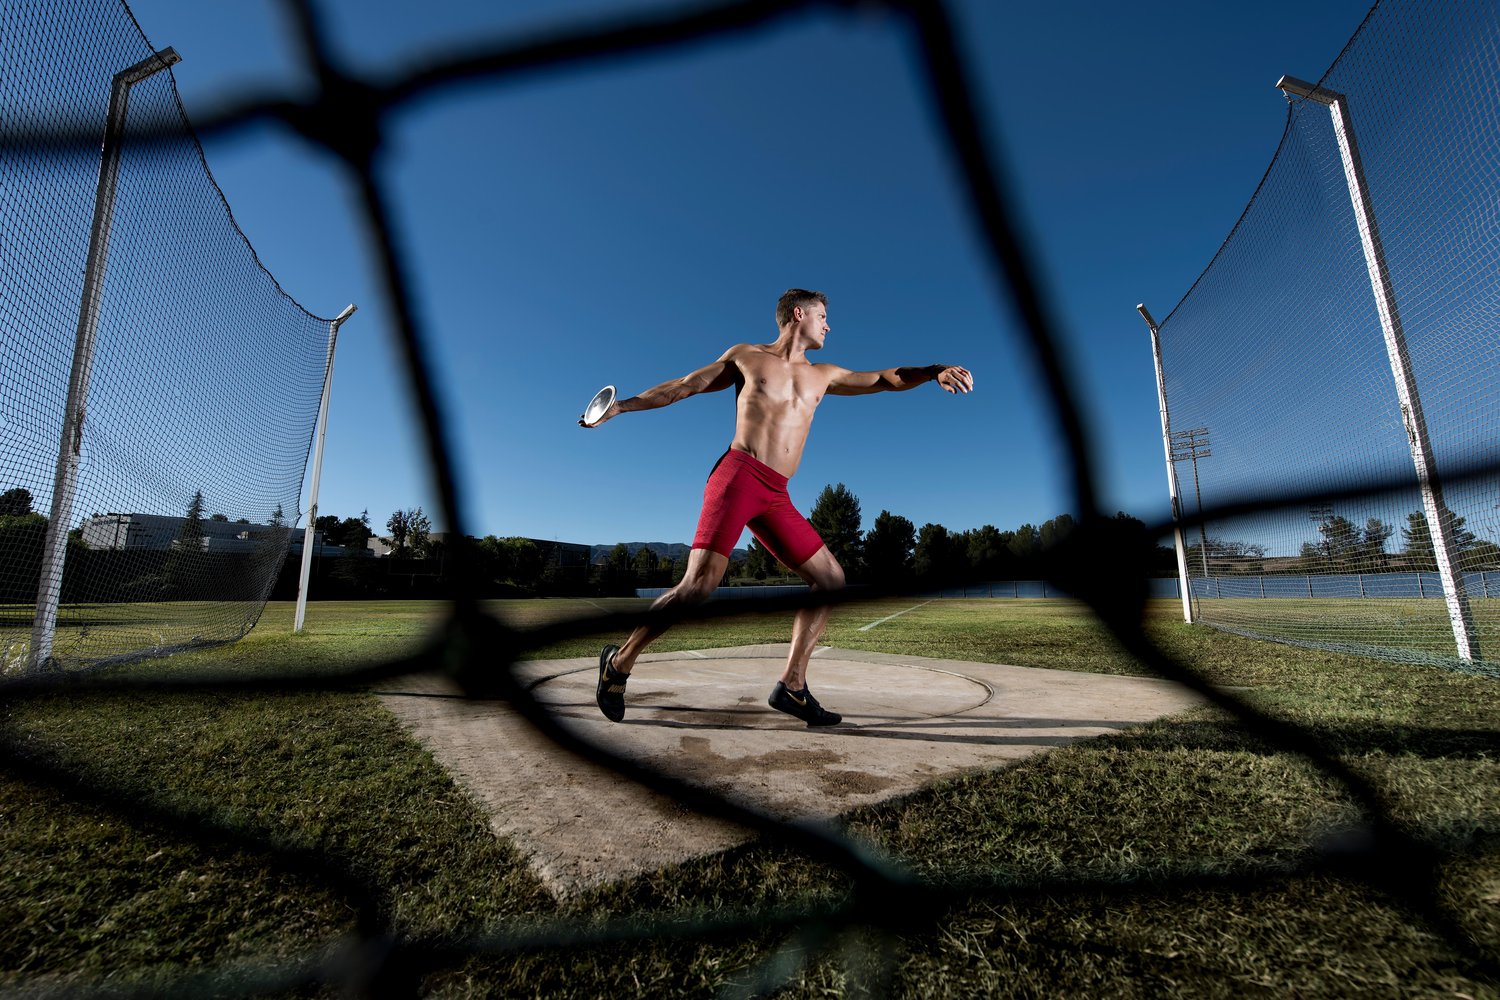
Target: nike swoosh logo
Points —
{"points": [[801, 702]]}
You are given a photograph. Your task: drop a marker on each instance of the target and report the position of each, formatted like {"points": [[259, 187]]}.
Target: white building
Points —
{"points": [[159, 532]]}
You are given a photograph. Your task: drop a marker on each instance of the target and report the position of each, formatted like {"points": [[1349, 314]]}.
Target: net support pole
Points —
{"points": [[310, 533], [1439, 518], [65, 479], [1166, 441]]}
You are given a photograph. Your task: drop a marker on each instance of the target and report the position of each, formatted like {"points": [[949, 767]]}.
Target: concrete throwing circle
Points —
{"points": [[701, 716], [719, 692]]}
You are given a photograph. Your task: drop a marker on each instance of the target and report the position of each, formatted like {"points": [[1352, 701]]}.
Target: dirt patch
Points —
{"points": [[702, 761], [844, 783]]}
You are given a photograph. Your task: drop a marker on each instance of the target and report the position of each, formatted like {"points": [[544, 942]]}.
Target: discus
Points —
{"points": [[598, 406]]}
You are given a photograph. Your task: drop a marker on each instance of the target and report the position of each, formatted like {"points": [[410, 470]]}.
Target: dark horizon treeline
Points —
{"points": [[893, 554]]}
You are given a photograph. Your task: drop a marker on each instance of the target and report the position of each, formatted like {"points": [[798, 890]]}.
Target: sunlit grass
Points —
{"points": [[90, 892]]}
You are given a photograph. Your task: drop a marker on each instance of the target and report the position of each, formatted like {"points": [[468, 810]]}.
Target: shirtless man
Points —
{"points": [[776, 391]]}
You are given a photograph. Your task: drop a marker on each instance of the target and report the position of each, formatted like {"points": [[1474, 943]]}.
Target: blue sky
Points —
{"points": [[627, 222]]}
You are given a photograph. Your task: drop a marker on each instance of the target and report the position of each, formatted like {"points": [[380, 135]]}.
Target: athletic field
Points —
{"points": [[94, 891]]}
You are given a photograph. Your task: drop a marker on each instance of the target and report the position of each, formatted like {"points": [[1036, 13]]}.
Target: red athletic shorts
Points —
{"points": [[742, 490]]}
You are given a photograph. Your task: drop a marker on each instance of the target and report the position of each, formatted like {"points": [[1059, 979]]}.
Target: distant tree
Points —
{"points": [[759, 563], [398, 527], [889, 550], [988, 552], [934, 556], [350, 532], [1372, 554], [15, 502], [525, 558], [1227, 556], [650, 570], [1485, 555], [219, 518], [1026, 542], [616, 575], [190, 538], [278, 519], [1417, 540], [409, 532], [1054, 531], [22, 538], [516, 561], [1346, 547], [836, 518], [1136, 542], [419, 533]]}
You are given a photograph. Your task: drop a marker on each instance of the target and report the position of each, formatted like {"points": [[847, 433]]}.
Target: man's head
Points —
{"points": [[794, 298]]}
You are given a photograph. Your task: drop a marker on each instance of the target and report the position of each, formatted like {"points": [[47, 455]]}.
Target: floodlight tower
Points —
{"points": [[1439, 518], [1191, 445], [1320, 514]]}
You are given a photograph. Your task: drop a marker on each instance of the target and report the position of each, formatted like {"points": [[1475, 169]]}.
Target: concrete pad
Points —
{"points": [[702, 716]]}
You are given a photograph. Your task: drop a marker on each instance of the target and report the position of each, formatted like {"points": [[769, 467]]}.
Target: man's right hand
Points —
{"points": [[613, 411]]}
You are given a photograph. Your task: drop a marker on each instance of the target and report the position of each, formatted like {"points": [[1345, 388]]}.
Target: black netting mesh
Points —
{"points": [[204, 378], [1278, 379], [1318, 329]]}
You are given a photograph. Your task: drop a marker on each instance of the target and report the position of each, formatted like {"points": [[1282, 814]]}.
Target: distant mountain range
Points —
{"points": [[671, 550]]}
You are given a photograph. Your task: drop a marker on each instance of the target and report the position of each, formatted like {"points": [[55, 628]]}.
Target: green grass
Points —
{"points": [[92, 891], [1398, 627]]}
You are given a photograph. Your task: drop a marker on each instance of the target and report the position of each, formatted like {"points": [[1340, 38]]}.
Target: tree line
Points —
{"points": [[894, 553], [1346, 547]]}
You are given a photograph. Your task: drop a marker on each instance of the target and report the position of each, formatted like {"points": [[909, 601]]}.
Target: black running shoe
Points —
{"points": [[803, 705], [610, 692]]}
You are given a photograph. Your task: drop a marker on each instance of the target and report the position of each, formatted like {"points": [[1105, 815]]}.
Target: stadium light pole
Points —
{"points": [[1166, 440], [1193, 444], [317, 470], [1320, 514], [65, 479], [1439, 518]]}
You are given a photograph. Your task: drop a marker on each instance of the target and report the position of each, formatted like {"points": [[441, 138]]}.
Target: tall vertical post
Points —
{"points": [[317, 471], [65, 479], [1166, 442], [1439, 518]]}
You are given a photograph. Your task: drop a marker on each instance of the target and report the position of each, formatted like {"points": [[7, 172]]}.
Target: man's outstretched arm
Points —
{"points": [[952, 378], [709, 378]]}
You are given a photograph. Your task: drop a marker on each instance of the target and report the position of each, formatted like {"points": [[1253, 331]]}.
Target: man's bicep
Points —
{"points": [[847, 383]]}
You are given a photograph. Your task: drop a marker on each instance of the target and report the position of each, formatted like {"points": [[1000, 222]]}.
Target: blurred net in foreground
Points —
{"points": [[1277, 375], [198, 412], [383, 958]]}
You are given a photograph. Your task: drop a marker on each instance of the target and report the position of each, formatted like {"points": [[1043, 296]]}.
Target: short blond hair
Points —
{"points": [[794, 297]]}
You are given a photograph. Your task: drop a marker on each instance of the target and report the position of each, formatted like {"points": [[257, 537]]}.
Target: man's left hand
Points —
{"points": [[954, 379]]}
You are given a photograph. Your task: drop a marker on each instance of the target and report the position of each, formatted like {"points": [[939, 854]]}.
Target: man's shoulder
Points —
{"points": [[743, 352]]}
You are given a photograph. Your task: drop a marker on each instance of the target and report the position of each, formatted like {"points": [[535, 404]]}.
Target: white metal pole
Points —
{"points": [[65, 478], [317, 471], [1439, 518], [1166, 441]]}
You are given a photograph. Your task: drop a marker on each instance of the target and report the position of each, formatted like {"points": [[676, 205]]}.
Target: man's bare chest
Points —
{"points": [[791, 386]]}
